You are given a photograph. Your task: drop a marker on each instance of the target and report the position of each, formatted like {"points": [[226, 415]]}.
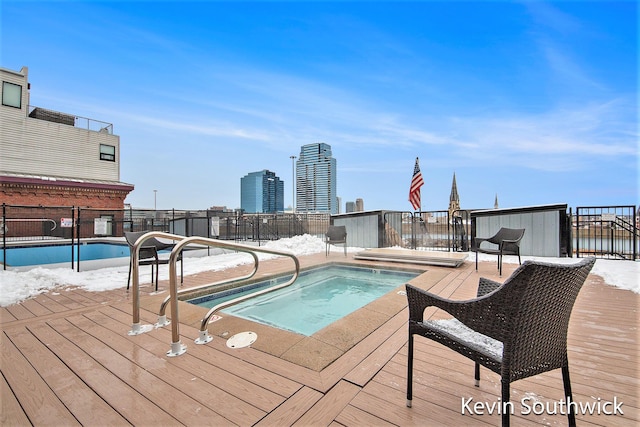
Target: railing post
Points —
{"points": [[177, 348], [4, 236], [78, 232], [136, 327], [73, 235]]}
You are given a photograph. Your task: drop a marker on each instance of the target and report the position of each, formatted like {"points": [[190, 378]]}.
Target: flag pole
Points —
{"points": [[414, 190]]}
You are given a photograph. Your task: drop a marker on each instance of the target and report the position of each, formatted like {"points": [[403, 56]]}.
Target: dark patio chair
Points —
{"points": [[507, 240], [517, 329], [148, 254], [336, 234]]}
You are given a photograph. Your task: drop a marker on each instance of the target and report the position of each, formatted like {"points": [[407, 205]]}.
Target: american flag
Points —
{"points": [[416, 183]]}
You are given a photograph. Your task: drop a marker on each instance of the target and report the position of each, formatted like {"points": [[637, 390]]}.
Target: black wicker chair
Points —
{"points": [[517, 329], [148, 254], [336, 234], [507, 240]]}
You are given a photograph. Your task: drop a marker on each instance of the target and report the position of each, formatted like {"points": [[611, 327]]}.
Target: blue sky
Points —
{"points": [[535, 102]]}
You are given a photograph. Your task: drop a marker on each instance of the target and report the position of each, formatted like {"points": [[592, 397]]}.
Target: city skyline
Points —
{"points": [[528, 102]]}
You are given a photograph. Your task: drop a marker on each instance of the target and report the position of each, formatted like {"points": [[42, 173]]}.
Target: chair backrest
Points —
{"points": [[132, 236], [507, 234], [536, 303], [337, 233], [150, 247]]}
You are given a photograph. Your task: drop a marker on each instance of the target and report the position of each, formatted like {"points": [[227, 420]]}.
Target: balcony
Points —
{"points": [[70, 120]]}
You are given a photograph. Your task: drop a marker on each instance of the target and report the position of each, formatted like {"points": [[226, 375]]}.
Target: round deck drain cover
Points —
{"points": [[243, 339]]}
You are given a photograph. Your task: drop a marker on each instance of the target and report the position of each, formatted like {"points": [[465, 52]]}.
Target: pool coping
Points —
{"points": [[318, 351]]}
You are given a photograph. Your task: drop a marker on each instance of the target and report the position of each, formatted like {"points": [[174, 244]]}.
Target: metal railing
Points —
{"points": [[136, 327], [177, 348], [606, 232], [70, 120]]}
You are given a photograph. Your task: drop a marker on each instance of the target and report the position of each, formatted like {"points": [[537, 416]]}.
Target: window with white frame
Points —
{"points": [[11, 95], [107, 152]]}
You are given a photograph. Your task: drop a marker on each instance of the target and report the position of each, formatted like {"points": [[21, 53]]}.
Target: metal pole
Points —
{"points": [[78, 241], [293, 184], [73, 234], [4, 236]]}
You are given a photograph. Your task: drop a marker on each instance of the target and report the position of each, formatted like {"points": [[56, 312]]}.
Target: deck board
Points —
{"points": [[167, 385], [292, 409], [206, 366], [130, 403], [70, 389], [67, 359], [40, 403], [11, 413]]}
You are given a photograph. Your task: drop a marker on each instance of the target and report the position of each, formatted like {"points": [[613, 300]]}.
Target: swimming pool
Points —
{"points": [[27, 255], [318, 298]]}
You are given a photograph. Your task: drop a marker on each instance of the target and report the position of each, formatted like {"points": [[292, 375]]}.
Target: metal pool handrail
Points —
{"points": [[177, 348], [162, 316], [136, 328]]}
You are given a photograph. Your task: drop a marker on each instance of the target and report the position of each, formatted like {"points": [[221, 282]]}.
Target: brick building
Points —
{"points": [[49, 158]]}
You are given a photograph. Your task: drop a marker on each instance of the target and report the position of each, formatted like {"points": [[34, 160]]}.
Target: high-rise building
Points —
{"points": [[261, 192], [316, 179], [350, 207], [359, 205]]}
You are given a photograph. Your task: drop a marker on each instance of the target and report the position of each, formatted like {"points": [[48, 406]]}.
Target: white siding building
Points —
{"points": [[51, 158]]}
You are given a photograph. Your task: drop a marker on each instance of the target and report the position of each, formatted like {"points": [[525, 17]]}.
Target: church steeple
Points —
{"points": [[454, 191], [454, 198], [495, 203]]}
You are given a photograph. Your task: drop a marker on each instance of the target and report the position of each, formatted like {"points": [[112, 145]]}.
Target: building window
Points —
{"points": [[11, 95], [107, 152]]}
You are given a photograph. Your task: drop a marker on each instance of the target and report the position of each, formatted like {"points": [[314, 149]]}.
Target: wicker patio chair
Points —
{"points": [[507, 240], [336, 234], [517, 329], [148, 254]]}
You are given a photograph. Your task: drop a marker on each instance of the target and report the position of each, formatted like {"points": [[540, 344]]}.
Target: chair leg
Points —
{"points": [[129, 277], [477, 374], [571, 414], [476, 260], [410, 371], [506, 404], [157, 271]]}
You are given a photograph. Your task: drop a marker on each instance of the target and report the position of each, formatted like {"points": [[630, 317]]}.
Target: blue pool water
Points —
{"points": [[318, 298], [52, 254]]}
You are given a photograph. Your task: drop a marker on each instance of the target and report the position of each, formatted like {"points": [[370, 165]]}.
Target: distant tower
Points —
{"points": [[454, 199], [351, 207], [495, 203], [316, 179], [359, 205], [261, 192]]}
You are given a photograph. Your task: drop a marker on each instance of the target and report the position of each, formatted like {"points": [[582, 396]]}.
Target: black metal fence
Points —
{"points": [[603, 231], [432, 230], [606, 232], [71, 225]]}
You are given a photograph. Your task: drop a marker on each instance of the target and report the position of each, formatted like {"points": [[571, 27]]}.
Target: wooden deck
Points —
{"points": [[67, 360]]}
